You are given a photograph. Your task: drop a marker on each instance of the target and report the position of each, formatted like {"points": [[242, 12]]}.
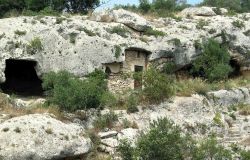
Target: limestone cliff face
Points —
{"points": [[79, 44]]}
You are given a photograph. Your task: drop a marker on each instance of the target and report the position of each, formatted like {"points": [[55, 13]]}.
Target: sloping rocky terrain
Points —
{"points": [[80, 44]]}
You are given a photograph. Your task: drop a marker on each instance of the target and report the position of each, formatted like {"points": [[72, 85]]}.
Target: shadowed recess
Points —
{"points": [[21, 78]]}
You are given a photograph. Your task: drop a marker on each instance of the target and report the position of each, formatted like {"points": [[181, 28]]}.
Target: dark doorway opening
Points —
{"points": [[236, 68], [138, 79], [21, 78]]}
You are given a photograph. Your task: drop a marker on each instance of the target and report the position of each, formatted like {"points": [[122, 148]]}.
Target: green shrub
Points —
{"points": [[20, 33], [126, 150], [120, 30], [105, 121], [201, 24], [197, 45], [176, 42], [217, 119], [164, 141], [71, 93], [245, 155], [48, 11], [157, 86], [132, 103], [213, 64], [72, 37], [169, 67], [210, 149], [108, 100], [156, 33], [34, 46], [238, 24], [118, 51]]}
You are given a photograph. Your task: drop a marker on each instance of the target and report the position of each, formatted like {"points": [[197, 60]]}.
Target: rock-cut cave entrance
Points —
{"points": [[21, 78]]}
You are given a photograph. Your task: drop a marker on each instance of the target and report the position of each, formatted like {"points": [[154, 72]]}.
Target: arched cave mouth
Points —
{"points": [[21, 78]]}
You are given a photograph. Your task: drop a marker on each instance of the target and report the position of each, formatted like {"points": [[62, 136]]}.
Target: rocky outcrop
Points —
{"points": [[80, 44], [198, 11], [122, 16], [41, 137], [198, 115]]}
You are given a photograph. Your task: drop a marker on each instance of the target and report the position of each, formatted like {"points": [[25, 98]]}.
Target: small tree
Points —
{"points": [[144, 5], [213, 64], [157, 86]]}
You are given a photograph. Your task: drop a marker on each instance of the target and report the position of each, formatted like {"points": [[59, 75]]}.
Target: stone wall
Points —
{"points": [[118, 83], [134, 58]]}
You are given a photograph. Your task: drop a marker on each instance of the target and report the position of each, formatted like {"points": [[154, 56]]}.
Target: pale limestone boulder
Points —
{"points": [[198, 11], [122, 16], [130, 19], [40, 137], [230, 97], [108, 134]]}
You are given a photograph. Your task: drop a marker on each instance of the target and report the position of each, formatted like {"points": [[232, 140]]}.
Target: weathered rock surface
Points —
{"points": [[198, 11], [41, 137], [94, 44], [195, 115]]}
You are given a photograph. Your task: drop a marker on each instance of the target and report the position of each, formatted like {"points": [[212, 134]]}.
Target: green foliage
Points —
{"points": [[210, 149], [213, 64], [118, 51], [20, 33], [176, 42], [165, 141], [234, 5], [197, 45], [169, 67], [201, 24], [105, 121], [120, 30], [245, 155], [45, 7], [72, 37], [157, 86], [71, 93], [34, 46], [238, 24], [126, 150], [144, 6], [217, 119], [132, 103], [152, 32]]}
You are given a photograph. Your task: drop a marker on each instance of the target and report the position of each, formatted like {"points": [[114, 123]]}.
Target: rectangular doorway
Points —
{"points": [[138, 79]]}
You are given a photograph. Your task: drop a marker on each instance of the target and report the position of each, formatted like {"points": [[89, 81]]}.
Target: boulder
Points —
{"points": [[40, 137], [198, 11], [230, 97], [108, 134], [129, 134], [130, 19]]}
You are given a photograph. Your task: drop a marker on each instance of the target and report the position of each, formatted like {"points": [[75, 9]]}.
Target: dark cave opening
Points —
{"points": [[236, 68], [21, 78]]}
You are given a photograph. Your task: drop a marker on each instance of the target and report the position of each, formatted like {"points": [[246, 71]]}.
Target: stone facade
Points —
{"points": [[120, 74]]}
